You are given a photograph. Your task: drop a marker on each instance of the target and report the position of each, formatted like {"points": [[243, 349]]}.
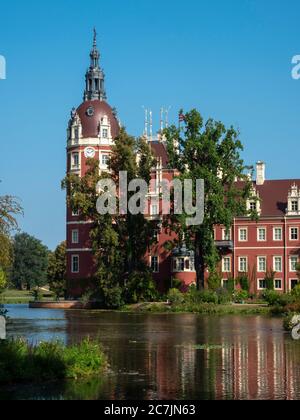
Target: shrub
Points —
{"points": [[272, 298], [244, 283], [140, 288], [224, 296], [214, 281], [270, 278], [19, 361], [241, 296], [86, 297], [230, 285], [37, 295], [296, 293], [113, 298], [176, 284], [175, 297]]}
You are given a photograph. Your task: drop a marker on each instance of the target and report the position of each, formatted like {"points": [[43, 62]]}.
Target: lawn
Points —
{"points": [[14, 297]]}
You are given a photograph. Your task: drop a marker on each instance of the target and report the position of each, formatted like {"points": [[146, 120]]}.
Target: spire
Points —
{"points": [[94, 78]]}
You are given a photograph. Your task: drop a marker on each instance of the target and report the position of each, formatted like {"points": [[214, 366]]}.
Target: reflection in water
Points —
{"points": [[170, 356]]}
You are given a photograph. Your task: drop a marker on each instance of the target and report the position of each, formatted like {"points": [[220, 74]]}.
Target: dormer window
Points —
{"points": [[253, 206], [293, 208], [105, 133]]}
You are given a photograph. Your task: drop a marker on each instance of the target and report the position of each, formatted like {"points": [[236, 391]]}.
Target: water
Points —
{"points": [[180, 356]]}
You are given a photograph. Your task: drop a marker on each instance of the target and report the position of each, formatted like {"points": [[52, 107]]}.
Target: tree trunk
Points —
{"points": [[199, 263]]}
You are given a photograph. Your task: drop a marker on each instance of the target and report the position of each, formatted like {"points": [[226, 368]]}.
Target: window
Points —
{"points": [[225, 283], [278, 284], [75, 160], [293, 264], [243, 235], [262, 284], [277, 264], [243, 265], [154, 210], [277, 234], [105, 160], [75, 264], [154, 264], [226, 265], [75, 236], [294, 283], [105, 133], [76, 133], [262, 264], [294, 233], [75, 213], [226, 235], [261, 234], [295, 206], [253, 206]]}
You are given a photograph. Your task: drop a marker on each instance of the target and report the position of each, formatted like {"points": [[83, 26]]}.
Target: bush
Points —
{"points": [[19, 361], [175, 297], [224, 296], [86, 297], [296, 293], [272, 298], [244, 283], [37, 295], [197, 297], [241, 296], [230, 285], [113, 298], [140, 288], [214, 281]]}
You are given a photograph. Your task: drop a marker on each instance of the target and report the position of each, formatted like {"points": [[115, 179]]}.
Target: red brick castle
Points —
{"points": [[254, 248]]}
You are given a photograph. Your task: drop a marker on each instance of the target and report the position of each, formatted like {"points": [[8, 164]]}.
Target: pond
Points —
{"points": [[169, 356]]}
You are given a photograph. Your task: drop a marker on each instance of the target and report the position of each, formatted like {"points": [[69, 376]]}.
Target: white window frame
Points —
{"points": [[105, 131], [258, 232], [258, 284], [297, 206], [291, 229], [152, 212], [74, 233], [277, 288], [73, 165], [151, 260], [240, 231], [274, 234], [274, 263], [258, 264], [224, 237], [224, 270], [72, 264], [246, 259], [104, 155], [75, 213], [290, 259]]}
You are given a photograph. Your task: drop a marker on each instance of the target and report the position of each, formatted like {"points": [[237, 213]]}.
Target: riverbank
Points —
{"points": [[21, 297], [22, 362], [201, 309]]}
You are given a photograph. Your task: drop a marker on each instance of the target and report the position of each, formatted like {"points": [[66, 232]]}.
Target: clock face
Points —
{"points": [[89, 153], [90, 111]]}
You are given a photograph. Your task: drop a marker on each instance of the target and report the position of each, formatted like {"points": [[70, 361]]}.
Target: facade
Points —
{"points": [[272, 243]]}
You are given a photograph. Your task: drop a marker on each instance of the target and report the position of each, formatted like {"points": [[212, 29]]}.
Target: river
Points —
{"points": [[169, 356]]}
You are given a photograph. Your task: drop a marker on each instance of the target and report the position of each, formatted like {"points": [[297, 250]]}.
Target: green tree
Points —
{"points": [[57, 266], [30, 262], [212, 153], [298, 271], [119, 241]]}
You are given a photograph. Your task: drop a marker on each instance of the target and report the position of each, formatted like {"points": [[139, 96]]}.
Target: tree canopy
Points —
{"points": [[57, 267]]}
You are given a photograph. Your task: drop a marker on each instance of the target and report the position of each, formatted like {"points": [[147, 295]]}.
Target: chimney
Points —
{"points": [[260, 173]]}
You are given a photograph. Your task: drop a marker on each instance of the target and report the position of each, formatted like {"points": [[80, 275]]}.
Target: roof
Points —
{"points": [[274, 196], [159, 150], [90, 124]]}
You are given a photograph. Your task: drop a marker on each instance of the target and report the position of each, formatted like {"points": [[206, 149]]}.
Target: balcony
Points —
{"points": [[224, 245]]}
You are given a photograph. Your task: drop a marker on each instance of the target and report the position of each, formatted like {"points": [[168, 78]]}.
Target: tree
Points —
{"points": [[212, 153], [30, 262], [298, 271], [56, 274], [119, 241]]}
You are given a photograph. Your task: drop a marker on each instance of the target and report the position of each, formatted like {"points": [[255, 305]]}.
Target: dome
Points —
{"points": [[91, 114]]}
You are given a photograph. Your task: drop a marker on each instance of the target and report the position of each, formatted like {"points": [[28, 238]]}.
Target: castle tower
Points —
{"points": [[92, 128]]}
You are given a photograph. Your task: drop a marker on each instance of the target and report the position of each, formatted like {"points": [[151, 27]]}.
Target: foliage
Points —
{"points": [[240, 296], [37, 295], [205, 296], [288, 324], [212, 153], [30, 262], [243, 281], [19, 361], [273, 298], [140, 287], [176, 283], [270, 278], [3, 281], [230, 285], [175, 297], [119, 241], [214, 281], [296, 293], [56, 273], [86, 297], [224, 296]]}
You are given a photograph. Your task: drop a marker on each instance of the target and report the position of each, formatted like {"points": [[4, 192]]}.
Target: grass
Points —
{"points": [[20, 362], [18, 297], [200, 308]]}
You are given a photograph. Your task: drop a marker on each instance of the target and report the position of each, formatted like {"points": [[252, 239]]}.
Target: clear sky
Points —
{"points": [[230, 59]]}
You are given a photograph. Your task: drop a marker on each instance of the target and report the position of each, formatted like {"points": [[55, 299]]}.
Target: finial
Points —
{"points": [[95, 37]]}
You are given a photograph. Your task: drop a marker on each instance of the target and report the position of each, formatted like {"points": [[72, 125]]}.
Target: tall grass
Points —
{"points": [[22, 362]]}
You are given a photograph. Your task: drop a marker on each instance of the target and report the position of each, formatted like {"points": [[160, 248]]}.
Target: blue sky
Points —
{"points": [[230, 59]]}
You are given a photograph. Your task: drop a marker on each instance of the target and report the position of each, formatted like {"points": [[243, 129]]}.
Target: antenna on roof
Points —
{"points": [[146, 123]]}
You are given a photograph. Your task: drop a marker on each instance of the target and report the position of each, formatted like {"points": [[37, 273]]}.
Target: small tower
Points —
{"points": [[95, 89]]}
